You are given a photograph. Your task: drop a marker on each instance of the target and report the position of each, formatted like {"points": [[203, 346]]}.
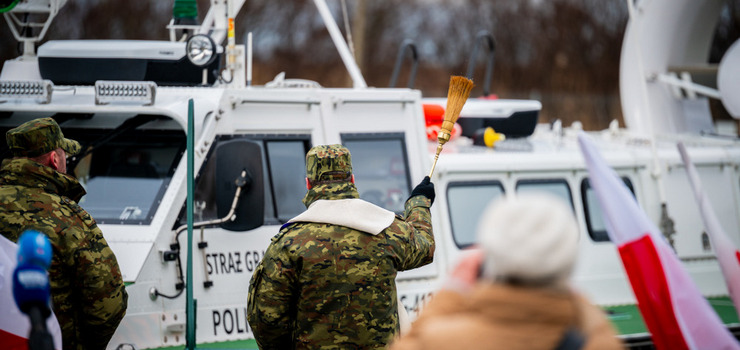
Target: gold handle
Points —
{"points": [[436, 156], [442, 138]]}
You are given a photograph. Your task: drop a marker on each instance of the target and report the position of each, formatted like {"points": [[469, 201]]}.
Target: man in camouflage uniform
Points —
{"points": [[88, 295], [327, 280]]}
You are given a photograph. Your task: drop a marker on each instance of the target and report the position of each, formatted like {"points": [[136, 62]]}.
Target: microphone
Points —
{"points": [[31, 289], [34, 249]]}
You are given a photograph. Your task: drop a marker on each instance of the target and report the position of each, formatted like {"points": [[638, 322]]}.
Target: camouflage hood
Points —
{"points": [[339, 190], [25, 172], [327, 163], [357, 214]]}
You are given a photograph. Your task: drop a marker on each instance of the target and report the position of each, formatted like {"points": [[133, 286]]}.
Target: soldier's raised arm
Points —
{"points": [[413, 236]]}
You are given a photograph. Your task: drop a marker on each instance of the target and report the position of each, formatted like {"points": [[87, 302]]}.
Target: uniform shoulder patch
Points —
{"points": [[283, 230], [79, 211]]}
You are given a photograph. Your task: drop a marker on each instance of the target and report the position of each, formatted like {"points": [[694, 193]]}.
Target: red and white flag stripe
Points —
{"points": [[675, 312], [14, 325], [727, 254]]}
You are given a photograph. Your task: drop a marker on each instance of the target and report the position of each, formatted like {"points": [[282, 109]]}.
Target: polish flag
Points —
{"points": [[727, 254], [14, 325], [675, 312]]}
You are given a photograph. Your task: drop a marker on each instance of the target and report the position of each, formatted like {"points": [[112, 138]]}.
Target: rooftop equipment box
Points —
{"points": [[82, 62]]}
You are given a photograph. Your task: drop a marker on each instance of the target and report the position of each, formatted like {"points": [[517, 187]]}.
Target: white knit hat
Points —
{"points": [[529, 239]]}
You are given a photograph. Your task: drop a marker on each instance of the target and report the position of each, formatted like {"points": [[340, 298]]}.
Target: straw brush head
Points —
{"points": [[458, 93]]}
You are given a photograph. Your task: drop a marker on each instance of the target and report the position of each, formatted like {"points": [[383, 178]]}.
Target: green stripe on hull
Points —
{"points": [[249, 344], [627, 319]]}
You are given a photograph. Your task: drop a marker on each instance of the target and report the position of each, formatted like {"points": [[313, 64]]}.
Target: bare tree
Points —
{"points": [[562, 52]]}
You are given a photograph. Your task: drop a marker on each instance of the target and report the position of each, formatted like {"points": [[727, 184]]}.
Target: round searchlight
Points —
{"points": [[727, 80], [201, 50]]}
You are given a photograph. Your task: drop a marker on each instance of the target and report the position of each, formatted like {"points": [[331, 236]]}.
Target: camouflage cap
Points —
{"points": [[328, 162], [37, 137]]}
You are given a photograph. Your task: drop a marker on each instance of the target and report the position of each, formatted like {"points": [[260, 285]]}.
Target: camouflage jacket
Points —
{"points": [[88, 294], [333, 287]]}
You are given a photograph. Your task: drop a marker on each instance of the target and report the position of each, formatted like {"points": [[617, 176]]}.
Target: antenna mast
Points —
{"points": [[47, 9]]}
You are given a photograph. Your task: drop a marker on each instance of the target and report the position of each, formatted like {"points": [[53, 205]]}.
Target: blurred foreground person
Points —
{"points": [[15, 325], [327, 280], [513, 293], [87, 291]]}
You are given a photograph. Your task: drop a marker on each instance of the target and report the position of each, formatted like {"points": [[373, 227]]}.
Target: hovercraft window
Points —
{"points": [[284, 170], [380, 166], [466, 202], [593, 213], [556, 187], [125, 165], [125, 180]]}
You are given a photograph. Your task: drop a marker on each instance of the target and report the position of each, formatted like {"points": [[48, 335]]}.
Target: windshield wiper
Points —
{"points": [[128, 125]]}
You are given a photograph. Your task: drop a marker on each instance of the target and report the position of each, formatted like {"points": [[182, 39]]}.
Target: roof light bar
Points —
{"points": [[39, 90], [107, 91]]}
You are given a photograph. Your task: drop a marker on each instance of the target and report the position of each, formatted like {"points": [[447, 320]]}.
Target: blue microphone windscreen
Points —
{"points": [[34, 248], [30, 287]]}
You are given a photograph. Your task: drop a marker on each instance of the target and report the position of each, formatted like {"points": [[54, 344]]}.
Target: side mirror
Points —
{"points": [[232, 158]]}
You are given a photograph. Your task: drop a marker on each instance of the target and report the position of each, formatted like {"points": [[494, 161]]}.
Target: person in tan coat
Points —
{"points": [[513, 292]]}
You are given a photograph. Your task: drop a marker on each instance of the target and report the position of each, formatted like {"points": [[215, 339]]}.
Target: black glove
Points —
{"points": [[425, 188]]}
